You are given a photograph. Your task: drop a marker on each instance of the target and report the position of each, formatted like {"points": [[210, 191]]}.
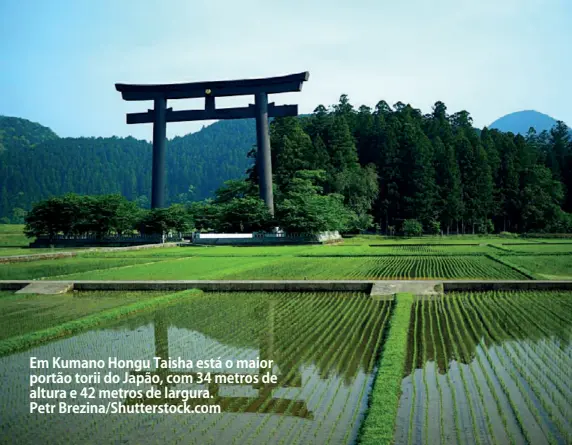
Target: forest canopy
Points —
{"points": [[338, 168]]}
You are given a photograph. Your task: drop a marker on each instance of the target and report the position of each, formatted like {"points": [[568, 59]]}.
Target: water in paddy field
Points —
{"points": [[323, 348], [488, 368]]}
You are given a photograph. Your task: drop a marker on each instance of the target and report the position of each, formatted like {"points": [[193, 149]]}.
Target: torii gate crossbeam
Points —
{"points": [[261, 111]]}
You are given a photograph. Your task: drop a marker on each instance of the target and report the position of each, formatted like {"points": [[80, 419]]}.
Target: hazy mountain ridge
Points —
{"points": [[522, 121]]}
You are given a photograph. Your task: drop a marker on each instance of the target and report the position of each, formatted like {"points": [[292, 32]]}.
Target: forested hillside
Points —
{"points": [[388, 163], [16, 133], [435, 168], [36, 164]]}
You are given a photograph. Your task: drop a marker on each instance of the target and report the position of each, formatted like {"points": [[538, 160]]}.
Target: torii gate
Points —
{"points": [[261, 110]]}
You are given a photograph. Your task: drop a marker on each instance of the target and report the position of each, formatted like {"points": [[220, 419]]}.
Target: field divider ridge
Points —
{"points": [[379, 423]]}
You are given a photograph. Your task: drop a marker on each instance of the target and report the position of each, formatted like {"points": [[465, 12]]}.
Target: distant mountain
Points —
{"points": [[521, 121], [36, 164]]}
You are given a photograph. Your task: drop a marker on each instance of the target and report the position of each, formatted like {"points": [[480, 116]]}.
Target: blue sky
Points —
{"points": [[59, 60]]}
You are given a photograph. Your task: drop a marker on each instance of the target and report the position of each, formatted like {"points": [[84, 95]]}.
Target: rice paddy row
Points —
{"points": [[488, 367]]}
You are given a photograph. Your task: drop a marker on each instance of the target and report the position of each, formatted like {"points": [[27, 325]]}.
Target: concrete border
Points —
{"points": [[206, 285], [473, 285], [300, 285]]}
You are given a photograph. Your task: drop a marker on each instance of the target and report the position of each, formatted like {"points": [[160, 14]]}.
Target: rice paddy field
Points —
{"points": [[324, 346], [359, 258], [455, 368], [492, 367], [460, 368]]}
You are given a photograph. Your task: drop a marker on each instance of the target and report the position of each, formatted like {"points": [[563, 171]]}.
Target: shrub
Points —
{"points": [[412, 227], [434, 228], [508, 235], [485, 226]]}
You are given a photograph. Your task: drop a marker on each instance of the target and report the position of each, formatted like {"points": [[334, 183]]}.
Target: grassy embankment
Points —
{"points": [[379, 424]]}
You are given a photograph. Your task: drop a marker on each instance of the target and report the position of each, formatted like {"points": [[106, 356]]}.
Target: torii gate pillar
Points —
{"points": [[263, 145], [159, 143]]}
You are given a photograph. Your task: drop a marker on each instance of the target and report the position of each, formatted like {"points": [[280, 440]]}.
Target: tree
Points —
{"points": [[106, 214], [234, 189], [248, 214], [305, 210], [54, 216], [449, 202], [205, 215], [160, 221]]}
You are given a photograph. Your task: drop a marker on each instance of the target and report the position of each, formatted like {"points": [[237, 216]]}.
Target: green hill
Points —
{"points": [[35, 163], [17, 133]]}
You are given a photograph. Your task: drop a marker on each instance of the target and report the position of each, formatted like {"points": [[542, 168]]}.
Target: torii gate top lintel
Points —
{"points": [[218, 88]]}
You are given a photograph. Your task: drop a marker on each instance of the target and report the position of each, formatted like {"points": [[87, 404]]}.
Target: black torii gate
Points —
{"points": [[261, 110]]}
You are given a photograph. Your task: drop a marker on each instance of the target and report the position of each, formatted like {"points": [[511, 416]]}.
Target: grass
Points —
{"points": [[32, 338], [541, 248], [24, 313], [379, 423], [554, 267], [14, 242], [192, 268], [11, 229], [31, 270]]}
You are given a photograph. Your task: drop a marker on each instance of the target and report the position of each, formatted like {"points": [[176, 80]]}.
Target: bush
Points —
{"points": [[434, 228], [412, 227], [508, 235], [485, 226]]}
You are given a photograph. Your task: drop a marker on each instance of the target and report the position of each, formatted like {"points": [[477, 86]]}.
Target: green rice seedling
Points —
{"points": [[23, 313], [441, 330], [536, 378], [554, 267], [349, 314], [376, 340], [469, 326], [315, 330], [348, 355], [303, 323], [458, 324], [379, 343], [448, 322], [416, 321], [517, 407]]}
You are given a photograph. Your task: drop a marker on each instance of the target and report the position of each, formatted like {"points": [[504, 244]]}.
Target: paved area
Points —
{"points": [[47, 287], [385, 290]]}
